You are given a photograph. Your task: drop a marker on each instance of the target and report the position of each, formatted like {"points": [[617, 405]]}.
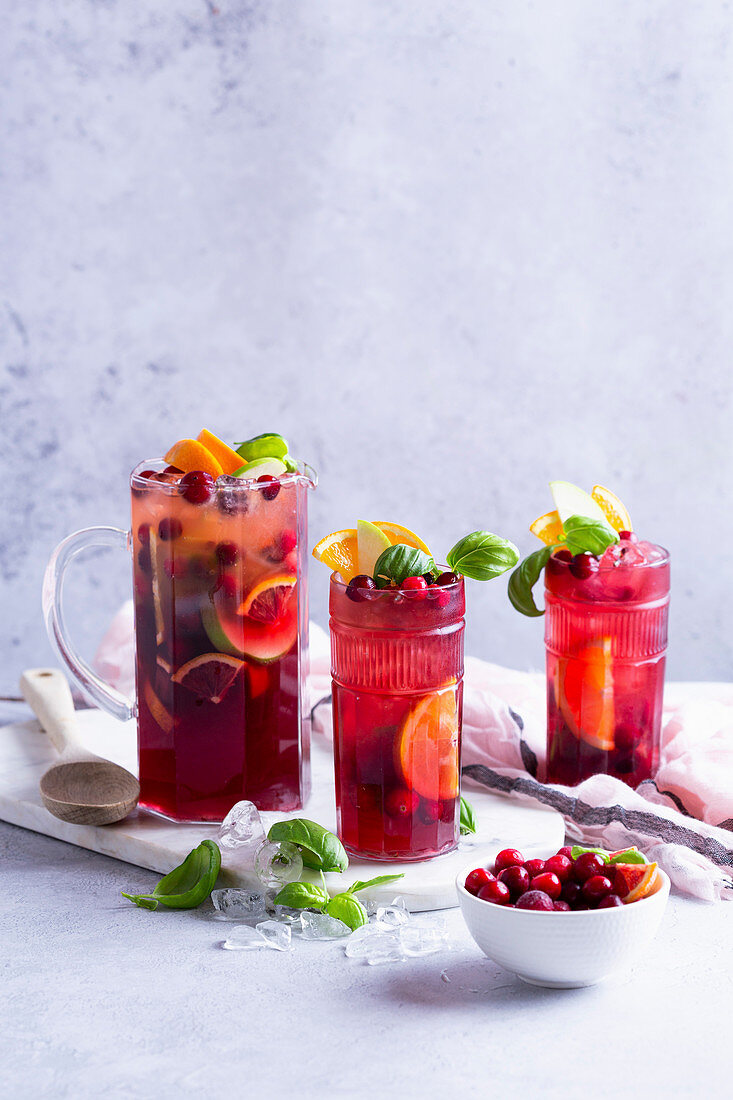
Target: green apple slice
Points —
{"points": [[275, 467], [370, 542], [572, 501], [267, 445]]}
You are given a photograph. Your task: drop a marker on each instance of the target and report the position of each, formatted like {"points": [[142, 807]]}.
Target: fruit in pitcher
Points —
{"points": [[267, 601], [227, 458], [266, 635], [189, 454], [209, 676]]}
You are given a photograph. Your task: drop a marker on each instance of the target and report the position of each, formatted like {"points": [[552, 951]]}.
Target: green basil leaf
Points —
{"points": [[628, 855], [482, 556], [187, 885], [291, 464], [524, 578], [347, 908], [302, 895], [380, 880], [588, 536], [578, 850], [400, 561], [468, 817], [321, 850], [267, 445]]}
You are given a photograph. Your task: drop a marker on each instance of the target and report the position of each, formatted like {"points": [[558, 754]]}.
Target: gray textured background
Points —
{"points": [[452, 250]]}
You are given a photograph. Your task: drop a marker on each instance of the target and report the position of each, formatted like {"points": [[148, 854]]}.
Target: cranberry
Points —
{"points": [[196, 486], [174, 569], [563, 555], [548, 884], [583, 566], [566, 851], [495, 891], [146, 474], [414, 587], [628, 536], [430, 810], [535, 867], [517, 879], [143, 533], [609, 902], [170, 528], [401, 802], [508, 857], [570, 893], [535, 899], [596, 888], [232, 496], [477, 878], [560, 906], [227, 553], [271, 486], [172, 470], [626, 736], [435, 593], [288, 541], [447, 578], [587, 865], [143, 559], [560, 866], [359, 587]]}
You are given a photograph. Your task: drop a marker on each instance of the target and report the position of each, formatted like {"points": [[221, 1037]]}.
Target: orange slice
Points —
{"points": [[585, 694], [639, 879], [267, 601], [160, 714], [209, 676], [395, 532], [548, 528], [228, 459], [427, 749], [189, 454], [613, 509], [339, 551]]}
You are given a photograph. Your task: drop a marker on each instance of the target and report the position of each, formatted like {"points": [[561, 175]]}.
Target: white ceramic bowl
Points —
{"points": [[565, 949]]}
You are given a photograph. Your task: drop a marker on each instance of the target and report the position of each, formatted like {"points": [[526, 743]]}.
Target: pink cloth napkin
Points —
{"points": [[682, 818]]}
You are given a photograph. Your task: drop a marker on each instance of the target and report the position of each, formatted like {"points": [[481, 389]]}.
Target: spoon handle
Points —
{"points": [[47, 693]]}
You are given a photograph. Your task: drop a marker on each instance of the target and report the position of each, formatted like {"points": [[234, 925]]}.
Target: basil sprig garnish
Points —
{"points": [[482, 556], [468, 817], [302, 895], [398, 562], [348, 909], [321, 850], [187, 885], [345, 906], [581, 535]]}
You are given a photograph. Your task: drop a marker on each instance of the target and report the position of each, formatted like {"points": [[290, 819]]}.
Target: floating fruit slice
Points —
{"points": [[633, 881], [266, 602], [613, 509], [395, 532], [585, 694], [548, 528], [370, 544], [427, 749], [241, 636], [189, 454], [267, 445], [228, 459], [160, 714], [259, 466], [572, 501], [259, 678], [209, 676], [339, 551]]}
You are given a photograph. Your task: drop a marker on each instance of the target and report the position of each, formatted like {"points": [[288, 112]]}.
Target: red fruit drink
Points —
{"points": [[606, 639], [221, 621], [397, 667]]}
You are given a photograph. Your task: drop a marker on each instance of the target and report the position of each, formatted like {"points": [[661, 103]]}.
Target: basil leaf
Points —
{"points": [[524, 578], [588, 536], [380, 880], [187, 885], [628, 855], [347, 908], [578, 850], [400, 561], [482, 556], [468, 817], [267, 445], [320, 849], [302, 895]]}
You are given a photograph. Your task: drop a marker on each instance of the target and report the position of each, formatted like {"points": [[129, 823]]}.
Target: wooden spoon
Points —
{"points": [[80, 787]]}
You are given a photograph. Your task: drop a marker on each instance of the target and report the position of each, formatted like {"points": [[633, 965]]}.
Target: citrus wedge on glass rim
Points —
{"points": [[571, 500], [339, 551], [371, 542], [548, 528], [585, 694], [427, 746], [395, 532], [614, 510]]}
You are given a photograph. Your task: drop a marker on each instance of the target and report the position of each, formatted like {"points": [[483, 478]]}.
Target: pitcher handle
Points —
{"points": [[98, 690]]}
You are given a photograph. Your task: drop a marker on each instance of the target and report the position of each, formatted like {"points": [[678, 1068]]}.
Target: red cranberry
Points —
{"points": [[175, 569], [196, 486], [517, 879], [170, 528], [563, 555], [587, 865], [566, 851], [359, 587], [272, 486], [143, 559], [535, 899], [570, 893], [232, 496], [560, 906], [447, 578], [227, 553], [535, 867], [583, 566], [143, 533], [628, 536], [401, 802], [438, 595], [609, 902], [430, 810], [548, 883], [146, 474], [172, 470], [495, 891], [288, 542], [477, 878], [508, 857], [414, 586], [595, 888], [560, 866]]}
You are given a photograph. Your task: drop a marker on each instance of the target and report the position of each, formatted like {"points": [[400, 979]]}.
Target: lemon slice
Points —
{"points": [[371, 542], [613, 509], [570, 500]]}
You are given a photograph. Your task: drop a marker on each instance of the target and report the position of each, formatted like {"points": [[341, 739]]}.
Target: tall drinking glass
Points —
{"points": [[221, 627], [397, 668], [606, 640]]}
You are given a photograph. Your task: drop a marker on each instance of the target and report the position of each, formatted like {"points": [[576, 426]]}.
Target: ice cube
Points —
{"points": [[232, 904], [384, 948], [392, 915], [278, 864], [287, 915], [244, 938], [362, 940], [242, 827], [422, 938], [275, 934], [321, 926]]}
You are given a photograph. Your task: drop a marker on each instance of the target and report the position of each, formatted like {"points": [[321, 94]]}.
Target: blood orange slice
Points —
{"points": [[633, 881], [427, 748], [585, 694], [209, 676], [267, 601]]}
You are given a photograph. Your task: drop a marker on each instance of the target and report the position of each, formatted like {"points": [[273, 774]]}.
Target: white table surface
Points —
{"points": [[100, 999]]}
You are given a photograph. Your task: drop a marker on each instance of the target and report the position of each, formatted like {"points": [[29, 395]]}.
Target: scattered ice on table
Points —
{"points": [[244, 938], [232, 904], [242, 827], [321, 926], [278, 864], [422, 938], [287, 915], [392, 915], [397, 935], [275, 934], [382, 949], [361, 938]]}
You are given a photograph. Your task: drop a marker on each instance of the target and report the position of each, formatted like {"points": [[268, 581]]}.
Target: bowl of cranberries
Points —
{"points": [[565, 919]]}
